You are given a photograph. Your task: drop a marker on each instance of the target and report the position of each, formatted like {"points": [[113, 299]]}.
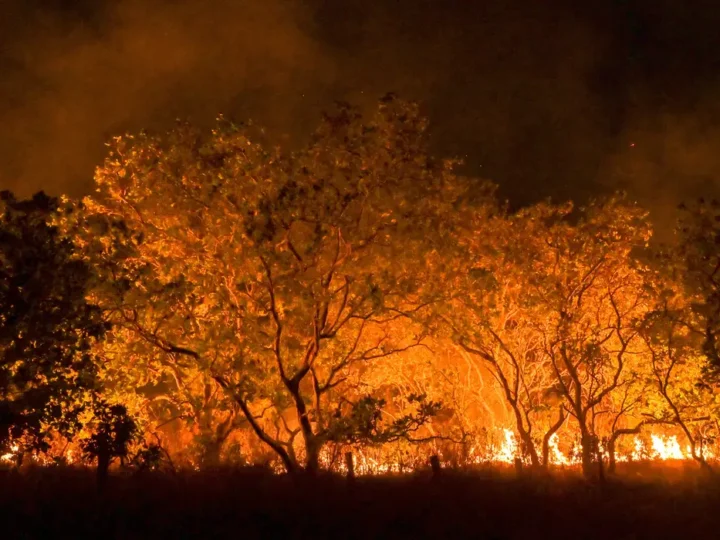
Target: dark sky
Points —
{"points": [[560, 98]]}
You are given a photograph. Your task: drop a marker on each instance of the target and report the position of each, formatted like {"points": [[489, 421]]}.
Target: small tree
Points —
{"points": [[696, 263], [112, 432]]}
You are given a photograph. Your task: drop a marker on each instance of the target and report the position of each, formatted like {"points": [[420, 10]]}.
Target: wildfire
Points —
{"points": [[508, 449], [656, 448], [556, 456], [376, 461], [10, 456], [667, 448]]}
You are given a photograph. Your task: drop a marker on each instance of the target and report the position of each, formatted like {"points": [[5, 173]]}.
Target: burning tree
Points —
{"points": [[552, 303], [493, 319], [595, 292], [681, 397], [681, 332], [275, 276]]}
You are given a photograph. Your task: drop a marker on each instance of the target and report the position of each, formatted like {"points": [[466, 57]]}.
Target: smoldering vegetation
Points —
{"points": [[651, 502]]}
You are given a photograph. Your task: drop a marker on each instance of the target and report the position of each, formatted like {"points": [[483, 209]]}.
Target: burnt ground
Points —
{"points": [[230, 503]]}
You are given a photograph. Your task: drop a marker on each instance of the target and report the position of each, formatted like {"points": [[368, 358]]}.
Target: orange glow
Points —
{"points": [[10, 456], [653, 448]]}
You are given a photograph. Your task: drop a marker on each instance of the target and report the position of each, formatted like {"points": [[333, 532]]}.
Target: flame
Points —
{"points": [[667, 448], [508, 449], [378, 461], [556, 457], [10, 456]]}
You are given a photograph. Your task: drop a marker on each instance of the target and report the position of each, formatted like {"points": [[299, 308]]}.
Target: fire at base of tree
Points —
{"points": [[354, 306]]}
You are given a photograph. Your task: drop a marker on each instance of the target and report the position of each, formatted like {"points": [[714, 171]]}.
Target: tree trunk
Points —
{"points": [[288, 461], [587, 443], [548, 435], [435, 465], [611, 453], [612, 462], [350, 466], [529, 449], [528, 446], [312, 457], [103, 467], [214, 434], [698, 457], [600, 465], [312, 443], [211, 452]]}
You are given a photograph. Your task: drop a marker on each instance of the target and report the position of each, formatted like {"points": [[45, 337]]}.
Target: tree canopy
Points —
{"points": [[224, 295]]}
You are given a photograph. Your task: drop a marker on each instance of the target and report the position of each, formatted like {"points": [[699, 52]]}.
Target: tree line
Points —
{"points": [[232, 296]]}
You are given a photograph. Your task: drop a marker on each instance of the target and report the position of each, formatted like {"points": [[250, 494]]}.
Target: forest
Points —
{"points": [[220, 301]]}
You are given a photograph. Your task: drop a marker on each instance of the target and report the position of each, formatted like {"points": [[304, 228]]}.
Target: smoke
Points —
{"points": [[667, 157], [76, 78], [545, 98], [666, 152], [505, 83]]}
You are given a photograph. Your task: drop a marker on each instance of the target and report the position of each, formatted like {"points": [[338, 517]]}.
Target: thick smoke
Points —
{"points": [[558, 98]]}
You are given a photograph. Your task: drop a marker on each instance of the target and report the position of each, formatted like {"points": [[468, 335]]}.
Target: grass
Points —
{"points": [[643, 502]]}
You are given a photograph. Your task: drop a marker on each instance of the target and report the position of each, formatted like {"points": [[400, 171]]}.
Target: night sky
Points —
{"points": [[548, 98]]}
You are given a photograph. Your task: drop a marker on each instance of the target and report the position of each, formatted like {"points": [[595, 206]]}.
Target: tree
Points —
{"points": [[494, 321], [594, 287], [275, 275], [684, 399], [682, 331], [696, 259], [551, 301], [113, 430], [158, 388], [47, 329]]}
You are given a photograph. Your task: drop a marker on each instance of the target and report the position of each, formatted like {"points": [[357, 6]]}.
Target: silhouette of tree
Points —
{"points": [[46, 327], [113, 430], [697, 263]]}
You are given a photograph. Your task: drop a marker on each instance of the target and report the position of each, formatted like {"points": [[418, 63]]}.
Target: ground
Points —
{"points": [[488, 504]]}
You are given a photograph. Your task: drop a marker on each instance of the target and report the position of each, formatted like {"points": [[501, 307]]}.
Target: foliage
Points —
{"points": [[363, 423], [274, 275], [112, 432], [551, 301], [697, 259], [681, 331], [46, 326]]}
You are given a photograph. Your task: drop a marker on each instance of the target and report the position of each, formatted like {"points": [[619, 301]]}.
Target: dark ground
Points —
{"points": [[63, 503]]}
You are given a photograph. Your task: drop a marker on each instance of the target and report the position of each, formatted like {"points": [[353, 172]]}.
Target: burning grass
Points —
{"points": [[649, 500]]}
